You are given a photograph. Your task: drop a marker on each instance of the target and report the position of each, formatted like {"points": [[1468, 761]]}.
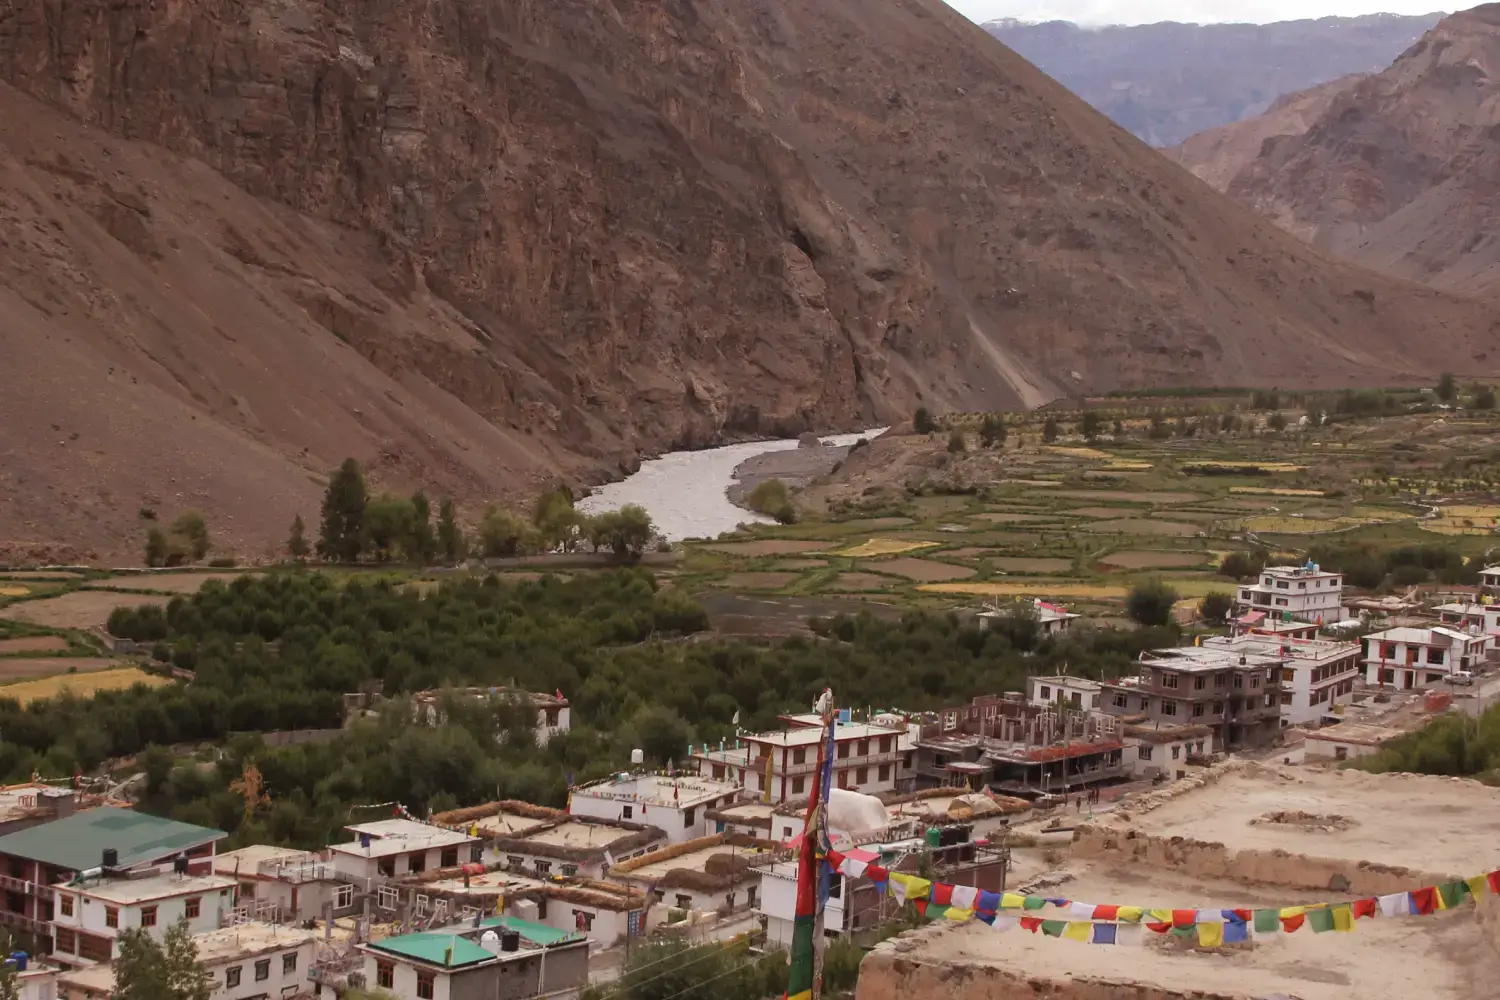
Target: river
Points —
{"points": [[685, 491]]}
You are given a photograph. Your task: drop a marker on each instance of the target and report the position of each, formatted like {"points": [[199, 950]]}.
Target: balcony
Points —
{"points": [[22, 922], [811, 765]]}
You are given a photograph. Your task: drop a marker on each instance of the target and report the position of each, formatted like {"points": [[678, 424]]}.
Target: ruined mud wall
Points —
{"points": [[886, 974]]}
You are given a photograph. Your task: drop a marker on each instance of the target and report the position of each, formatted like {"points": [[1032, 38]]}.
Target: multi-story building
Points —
{"points": [[247, 962], [1236, 694], [710, 875], [1406, 658], [32, 804], [91, 915], [110, 840], [1304, 593], [1489, 580], [777, 766], [675, 805], [393, 847], [545, 842], [1051, 619], [281, 884], [1317, 675], [1481, 618], [1169, 752], [504, 958], [1073, 692]]}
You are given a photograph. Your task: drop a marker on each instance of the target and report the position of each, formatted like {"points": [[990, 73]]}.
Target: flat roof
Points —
{"points": [[1358, 733], [810, 736], [398, 836], [1445, 956], [246, 860], [449, 949], [78, 842], [19, 801], [658, 789], [1196, 658], [694, 861], [250, 938], [579, 833], [1425, 823], [1408, 634], [749, 810], [1281, 647], [1062, 680], [129, 891]]}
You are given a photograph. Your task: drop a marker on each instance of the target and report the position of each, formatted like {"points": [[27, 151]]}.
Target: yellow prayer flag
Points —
{"points": [[1012, 901], [914, 888], [1210, 935], [1287, 912], [1437, 899], [1079, 930], [954, 913], [1160, 916], [1130, 914], [1477, 885], [1343, 917]]}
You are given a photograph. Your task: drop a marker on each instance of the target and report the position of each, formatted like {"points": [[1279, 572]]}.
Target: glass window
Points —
{"points": [[289, 963], [263, 969], [65, 903], [449, 858], [111, 916], [148, 916], [232, 977], [193, 907], [424, 985], [385, 975]]}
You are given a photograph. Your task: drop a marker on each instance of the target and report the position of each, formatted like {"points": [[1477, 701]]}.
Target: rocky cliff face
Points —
{"points": [[1168, 81], [1397, 171], [481, 244]]}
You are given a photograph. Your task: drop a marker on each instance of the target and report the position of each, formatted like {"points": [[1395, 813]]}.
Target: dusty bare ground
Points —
{"points": [[17, 667], [769, 547], [172, 583], [1141, 559], [33, 644], [922, 570], [81, 609]]}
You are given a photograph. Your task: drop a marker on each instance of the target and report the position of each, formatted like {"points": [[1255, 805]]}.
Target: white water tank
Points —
{"points": [[490, 942], [637, 757]]}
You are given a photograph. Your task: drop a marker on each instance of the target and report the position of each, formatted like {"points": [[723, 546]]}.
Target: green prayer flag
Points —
{"points": [[1267, 921], [1054, 928], [1320, 920], [936, 912], [1453, 893], [1034, 903], [1190, 931]]}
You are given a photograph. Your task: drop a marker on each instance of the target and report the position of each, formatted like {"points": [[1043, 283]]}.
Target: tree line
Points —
{"points": [[356, 526]]}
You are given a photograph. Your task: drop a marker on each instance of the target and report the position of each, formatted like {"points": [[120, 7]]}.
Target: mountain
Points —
{"points": [[1168, 81], [480, 245], [1399, 171]]}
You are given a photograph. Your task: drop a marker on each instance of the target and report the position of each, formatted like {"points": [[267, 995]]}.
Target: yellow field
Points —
{"points": [[1269, 492], [1120, 465], [81, 685], [1080, 452], [1465, 519], [883, 547], [1262, 466], [1297, 525], [14, 591]]}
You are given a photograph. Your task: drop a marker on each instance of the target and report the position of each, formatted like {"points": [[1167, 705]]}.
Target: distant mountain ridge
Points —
{"points": [[1168, 81]]}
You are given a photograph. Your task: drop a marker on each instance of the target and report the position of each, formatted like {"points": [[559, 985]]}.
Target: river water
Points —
{"points": [[685, 491]]}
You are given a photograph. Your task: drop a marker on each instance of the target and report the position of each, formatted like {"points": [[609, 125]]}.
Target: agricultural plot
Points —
{"points": [[1138, 559], [883, 547], [33, 644], [81, 685], [164, 583], [1465, 519], [81, 609], [13, 668], [923, 570]]}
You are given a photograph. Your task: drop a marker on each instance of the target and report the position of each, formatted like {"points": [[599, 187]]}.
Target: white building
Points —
{"points": [[712, 874], [1073, 692], [674, 805], [778, 766], [281, 884], [1407, 658], [553, 714], [1347, 740], [1170, 752], [1316, 674], [1304, 593], [38, 981], [1472, 618], [503, 957], [390, 848], [1051, 618], [1489, 579], [250, 961], [89, 918]]}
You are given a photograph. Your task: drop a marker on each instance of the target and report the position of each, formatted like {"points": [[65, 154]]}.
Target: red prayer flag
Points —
{"points": [[1184, 918], [1290, 924], [921, 905], [1366, 907], [1495, 882], [1245, 915], [1424, 900], [1032, 924], [835, 859], [1106, 913], [1159, 927], [875, 873]]}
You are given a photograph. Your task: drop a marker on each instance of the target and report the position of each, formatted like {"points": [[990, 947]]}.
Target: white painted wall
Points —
{"points": [[280, 981], [89, 915], [404, 983], [355, 866], [678, 822]]}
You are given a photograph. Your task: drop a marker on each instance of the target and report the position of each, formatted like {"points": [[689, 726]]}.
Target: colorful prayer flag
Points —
{"points": [[1320, 920], [965, 897], [1079, 930], [1236, 931], [1131, 914], [1425, 901], [988, 901], [1032, 924], [1105, 933], [959, 914], [1033, 903], [1494, 878], [1397, 904], [1012, 901], [1109, 912], [1267, 921], [942, 893], [1054, 928], [1343, 917], [1211, 935], [1476, 885], [1184, 918], [1366, 907], [1452, 893]]}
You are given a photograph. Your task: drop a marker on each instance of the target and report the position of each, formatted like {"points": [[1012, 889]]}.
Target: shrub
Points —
{"points": [[956, 443], [1150, 603], [922, 421]]}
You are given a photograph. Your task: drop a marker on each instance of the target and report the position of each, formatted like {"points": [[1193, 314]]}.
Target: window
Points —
{"points": [[835, 888], [343, 896], [1289, 675], [1168, 707], [543, 867], [111, 916], [797, 785], [386, 867], [449, 857], [417, 862], [262, 969], [148, 916], [689, 817], [385, 975], [1255, 680], [684, 902], [583, 920], [476, 853], [289, 963], [65, 940], [94, 949], [884, 772], [1121, 700], [1199, 682], [1176, 751], [569, 870], [1144, 751], [1239, 680], [843, 751], [864, 748], [65, 903], [17, 869], [799, 756], [1045, 693], [1434, 656], [194, 906], [627, 812], [885, 744], [1198, 709], [232, 978], [1218, 680], [861, 775], [1218, 708], [1168, 679]]}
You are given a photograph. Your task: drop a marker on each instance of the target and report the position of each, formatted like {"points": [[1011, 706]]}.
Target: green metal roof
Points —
{"points": [[77, 842], [444, 950], [534, 932]]}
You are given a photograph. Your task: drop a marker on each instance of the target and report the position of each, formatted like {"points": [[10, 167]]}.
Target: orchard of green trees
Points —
{"points": [[1454, 745]]}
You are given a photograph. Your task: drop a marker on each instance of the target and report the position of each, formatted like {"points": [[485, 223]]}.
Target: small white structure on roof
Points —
{"points": [[1347, 740], [1489, 579], [675, 804], [1073, 692], [1051, 618], [391, 847]]}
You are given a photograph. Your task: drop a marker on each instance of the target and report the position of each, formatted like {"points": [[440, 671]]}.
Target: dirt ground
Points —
{"points": [[1153, 560], [33, 644], [922, 570], [769, 547], [16, 667], [172, 583], [80, 609], [861, 581], [760, 581], [1143, 527]]}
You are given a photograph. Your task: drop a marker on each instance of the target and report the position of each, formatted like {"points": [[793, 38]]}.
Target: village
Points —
{"points": [[517, 900]]}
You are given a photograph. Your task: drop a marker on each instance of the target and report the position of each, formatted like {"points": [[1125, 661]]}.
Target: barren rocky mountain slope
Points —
{"points": [[1399, 171], [1168, 81], [478, 245]]}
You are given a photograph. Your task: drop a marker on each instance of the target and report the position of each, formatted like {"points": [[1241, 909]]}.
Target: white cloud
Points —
{"points": [[1094, 12]]}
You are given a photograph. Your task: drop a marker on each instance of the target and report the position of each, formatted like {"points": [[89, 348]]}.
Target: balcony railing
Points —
{"points": [[22, 922], [839, 763], [12, 884]]}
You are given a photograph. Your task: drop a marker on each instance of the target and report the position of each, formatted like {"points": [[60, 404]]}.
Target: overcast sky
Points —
{"points": [[1202, 11]]}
